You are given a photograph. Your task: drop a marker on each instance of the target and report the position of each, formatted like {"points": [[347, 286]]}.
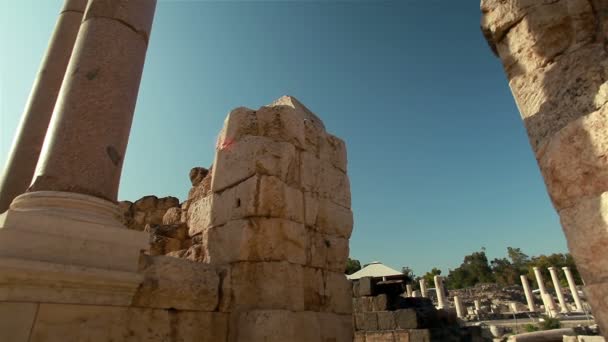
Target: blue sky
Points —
{"points": [[438, 157]]}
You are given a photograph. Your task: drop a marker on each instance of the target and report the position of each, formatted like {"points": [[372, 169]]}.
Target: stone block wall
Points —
{"points": [[381, 313]]}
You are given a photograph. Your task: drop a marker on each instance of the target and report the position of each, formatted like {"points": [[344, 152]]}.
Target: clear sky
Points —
{"points": [[438, 157]]}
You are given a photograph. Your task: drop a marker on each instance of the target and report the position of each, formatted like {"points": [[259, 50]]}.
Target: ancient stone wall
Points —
{"points": [[555, 57]]}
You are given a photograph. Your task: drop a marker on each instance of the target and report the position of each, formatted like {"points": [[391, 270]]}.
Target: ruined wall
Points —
{"points": [[555, 57]]}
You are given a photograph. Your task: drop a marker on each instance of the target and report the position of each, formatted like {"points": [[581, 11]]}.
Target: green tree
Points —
{"points": [[505, 272], [474, 269], [429, 276], [409, 273], [352, 266]]}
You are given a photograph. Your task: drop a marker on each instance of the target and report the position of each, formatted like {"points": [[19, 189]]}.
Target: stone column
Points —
{"points": [[558, 290], [528, 293], [560, 88], [441, 300], [21, 162], [544, 295], [573, 290], [423, 288], [69, 215], [459, 309], [477, 305], [415, 294], [408, 289]]}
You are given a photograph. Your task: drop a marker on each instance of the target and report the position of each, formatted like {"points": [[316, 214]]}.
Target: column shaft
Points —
{"points": [[441, 302], [88, 134], [459, 309], [22, 159], [573, 290], [558, 290], [528, 293], [423, 288]]}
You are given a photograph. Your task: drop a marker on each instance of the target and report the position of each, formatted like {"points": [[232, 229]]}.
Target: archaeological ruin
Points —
{"points": [[257, 251]]}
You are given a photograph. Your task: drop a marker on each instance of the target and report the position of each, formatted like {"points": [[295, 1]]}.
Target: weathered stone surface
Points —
{"points": [[366, 286], [179, 284], [277, 325], [333, 150], [574, 162], [172, 216], [267, 285], [401, 335], [249, 156], [367, 321], [359, 336], [16, 320], [314, 289], [277, 199], [256, 239], [322, 178], [406, 319], [380, 302], [386, 320], [335, 327], [197, 174], [146, 210], [334, 219], [419, 335], [586, 227], [278, 122], [379, 336], [337, 290], [328, 252]]}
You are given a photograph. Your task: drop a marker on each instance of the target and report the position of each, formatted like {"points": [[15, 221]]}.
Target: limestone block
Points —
{"points": [[199, 326], [217, 209], [256, 239], [359, 336], [75, 323], [406, 319], [16, 320], [380, 302], [419, 335], [551, 97], [177, 231], [322, 178], [355, 285], [280, 123], [276, 325], [367, 303], [172, 216], [311, 208], [337, 290], [160, 245], [313, 126], [574, 163], [333, 150], [178, 284], [369, 321], [277, 199], [267, 285], [366, 286], [248, 156], [239, 122], [328, 252], [401, 335], [334, 219], [379, 336], [586, 228], [386, 320], [335, 327], [314, 289]]}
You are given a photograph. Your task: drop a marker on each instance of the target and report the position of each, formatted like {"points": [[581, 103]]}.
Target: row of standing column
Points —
{"points": [[546, 296]]}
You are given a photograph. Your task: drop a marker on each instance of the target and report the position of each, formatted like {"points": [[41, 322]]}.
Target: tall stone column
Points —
{"points": [[21, 162], [441, 300], [477, 305], [408, 290], [68, 219], [423, 288], [555, 58], [573, 290], [558, 290], [528, 293], [544, 295], [458, 306]]}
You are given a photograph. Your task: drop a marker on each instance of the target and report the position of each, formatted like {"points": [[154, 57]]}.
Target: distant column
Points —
{"points": [[459, 309], [423, 288], [528, 293], [21, 162], [546, 297], [573, 290], [441, 301], [408, 289], [477, 305], [558, 289], [415, 294]]}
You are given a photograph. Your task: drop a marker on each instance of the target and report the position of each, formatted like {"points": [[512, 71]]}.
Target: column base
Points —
{"points": [[69, 229]]}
